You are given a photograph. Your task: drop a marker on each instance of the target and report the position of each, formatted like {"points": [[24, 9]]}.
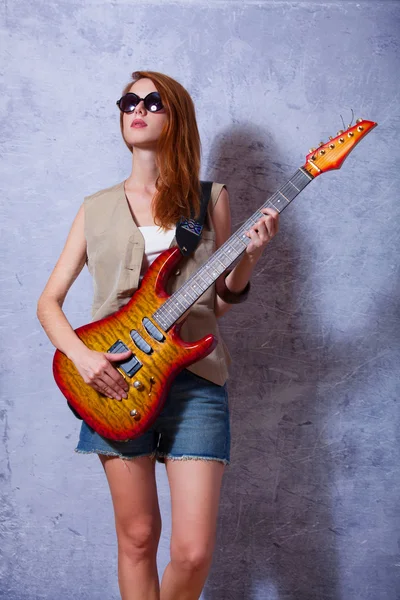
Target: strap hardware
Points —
{"points": [[188, 231]]}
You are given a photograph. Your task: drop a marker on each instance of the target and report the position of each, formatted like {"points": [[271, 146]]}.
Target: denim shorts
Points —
{"points": [[193, 424]]}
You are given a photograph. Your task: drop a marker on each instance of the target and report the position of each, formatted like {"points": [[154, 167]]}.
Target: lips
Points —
{"points": [[138, 123]]}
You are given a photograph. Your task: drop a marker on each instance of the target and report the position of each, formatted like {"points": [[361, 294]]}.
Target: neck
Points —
{"points": [[144, 169], [194, 287]]}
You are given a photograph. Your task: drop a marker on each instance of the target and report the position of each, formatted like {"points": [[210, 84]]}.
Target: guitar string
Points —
{"points": [[298, 182], [217, 259], [202, 271]]}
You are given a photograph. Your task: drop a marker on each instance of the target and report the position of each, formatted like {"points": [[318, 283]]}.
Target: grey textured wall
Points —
{"points": [[310, 503]]}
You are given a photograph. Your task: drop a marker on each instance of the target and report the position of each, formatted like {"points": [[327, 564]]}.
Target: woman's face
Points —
{"points": [[144, 136]]}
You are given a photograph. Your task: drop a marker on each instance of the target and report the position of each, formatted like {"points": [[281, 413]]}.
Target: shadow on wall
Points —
{"points": [[275, 537]]}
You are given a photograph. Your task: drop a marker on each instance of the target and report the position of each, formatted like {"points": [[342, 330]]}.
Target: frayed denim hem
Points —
{"points": [[151, 455], [162, 456]]}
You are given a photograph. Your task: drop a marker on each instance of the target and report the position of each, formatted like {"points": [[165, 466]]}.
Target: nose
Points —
{"points": [[140, 108]]}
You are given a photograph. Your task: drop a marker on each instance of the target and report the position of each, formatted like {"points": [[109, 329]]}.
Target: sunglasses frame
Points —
{"points": [[118, 103]]}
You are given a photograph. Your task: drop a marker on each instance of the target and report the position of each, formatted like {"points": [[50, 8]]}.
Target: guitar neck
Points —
{"points": [[181, 300]]}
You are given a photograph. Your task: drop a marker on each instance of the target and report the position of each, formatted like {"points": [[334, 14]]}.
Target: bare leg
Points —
{"points": [[195, 491], [138, 525]]}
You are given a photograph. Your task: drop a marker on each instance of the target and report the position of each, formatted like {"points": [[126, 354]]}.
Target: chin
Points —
{"points": [[143, 144]]}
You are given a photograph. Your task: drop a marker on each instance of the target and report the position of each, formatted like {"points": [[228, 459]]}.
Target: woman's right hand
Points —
{"points": [[98, 372]]}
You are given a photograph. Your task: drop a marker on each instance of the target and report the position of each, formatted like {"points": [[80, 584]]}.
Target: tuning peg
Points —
{"points": [[321, 144], [312, 149], [340, 132], [359, 121], [330, 137]]}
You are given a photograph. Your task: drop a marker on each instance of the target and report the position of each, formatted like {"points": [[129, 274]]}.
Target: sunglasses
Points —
{"points": [[129, 102]]}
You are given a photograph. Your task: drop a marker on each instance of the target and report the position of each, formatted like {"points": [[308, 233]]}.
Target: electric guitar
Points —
{"points": [[148, 326]]}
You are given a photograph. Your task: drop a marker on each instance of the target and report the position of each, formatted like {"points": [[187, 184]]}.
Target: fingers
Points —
{"points": [[116, 383], [107, 380], [105, 390], [271, 221], [112, 377], [265, 228], [117, 356]]}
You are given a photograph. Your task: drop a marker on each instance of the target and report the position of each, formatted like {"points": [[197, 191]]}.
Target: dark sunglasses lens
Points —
{"points": [[129, 102], [153, 102]]}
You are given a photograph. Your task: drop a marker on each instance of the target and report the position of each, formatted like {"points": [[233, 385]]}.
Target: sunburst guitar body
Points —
{"points": [[149, 323], [158, 356]]}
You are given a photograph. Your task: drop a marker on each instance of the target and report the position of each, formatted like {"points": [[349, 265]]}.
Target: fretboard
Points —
{"points": [[181, 300]]}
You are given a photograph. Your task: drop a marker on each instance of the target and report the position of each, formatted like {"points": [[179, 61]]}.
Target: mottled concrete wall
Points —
{"points": [[310, 502]]}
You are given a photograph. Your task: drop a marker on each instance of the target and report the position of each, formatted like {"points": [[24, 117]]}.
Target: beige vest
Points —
{"points": [[115, 250]]}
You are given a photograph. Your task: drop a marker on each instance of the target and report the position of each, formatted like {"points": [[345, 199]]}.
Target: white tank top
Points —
{"points": [[156, 240]]}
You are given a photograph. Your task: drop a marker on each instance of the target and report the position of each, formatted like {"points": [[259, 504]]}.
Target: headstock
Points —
{"points": [[333, 154]]}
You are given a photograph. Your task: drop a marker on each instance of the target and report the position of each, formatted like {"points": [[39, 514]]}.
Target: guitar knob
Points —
{"points": [[138, 385], [135, 414]]}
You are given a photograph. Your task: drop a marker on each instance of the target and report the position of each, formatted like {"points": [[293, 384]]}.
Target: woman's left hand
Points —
{"points": [[262, 232]]}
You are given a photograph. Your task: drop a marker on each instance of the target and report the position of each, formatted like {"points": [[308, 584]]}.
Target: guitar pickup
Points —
{"points": [[140, 342], [152, 330], [131, 365]]}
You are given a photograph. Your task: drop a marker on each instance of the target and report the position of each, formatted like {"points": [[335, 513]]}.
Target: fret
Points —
{"points": [[160, 312], [217, 265], [239, 241], [172, 310], [193, 294], [196, 287], [207, 277], [189, 292], [236, 246], [229, 248], [224, 260], [253, 220], [273, 205], [291, 183], [201, 276], [182, 302], [288, 192], [306, 174], [283, 196], [160, 321]]}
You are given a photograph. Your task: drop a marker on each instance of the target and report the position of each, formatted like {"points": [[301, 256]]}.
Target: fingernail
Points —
{"points": [[125, 395]]}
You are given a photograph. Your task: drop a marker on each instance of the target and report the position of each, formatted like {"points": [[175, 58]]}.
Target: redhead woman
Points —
{"points": [[118, 232]]}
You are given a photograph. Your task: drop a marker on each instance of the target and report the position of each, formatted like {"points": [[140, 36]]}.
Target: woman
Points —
{"points": [[116, 232]]}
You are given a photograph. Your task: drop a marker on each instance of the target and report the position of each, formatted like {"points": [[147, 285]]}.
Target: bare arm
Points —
{"points": [[67, 269], [94, 367], [260, 234]]}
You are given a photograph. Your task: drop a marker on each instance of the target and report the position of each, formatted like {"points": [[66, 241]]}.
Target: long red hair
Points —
{"points": [[178, 152]]}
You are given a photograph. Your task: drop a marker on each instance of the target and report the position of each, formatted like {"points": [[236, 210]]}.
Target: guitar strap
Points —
{"points": [[188, 231]]}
